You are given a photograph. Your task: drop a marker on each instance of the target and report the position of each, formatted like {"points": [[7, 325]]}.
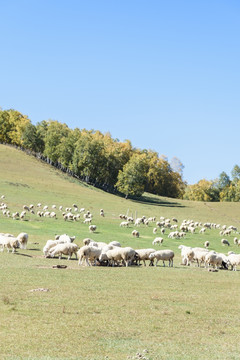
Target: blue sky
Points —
{"points": [[163, 74]]}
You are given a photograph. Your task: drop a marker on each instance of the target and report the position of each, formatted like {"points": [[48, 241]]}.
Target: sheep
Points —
{"points": [[53, 215], [22, 239], [46, 214], [9, 242], [102, 213], [143, 254], [115, 243], [157, 240], [124, 224], [163, 230], [92, 228], [163, 255], [39, 205], [154, 230], [45, 207], [88, 252], [213, 259], [126, 255], [22, 215], [206, 244], [187, 254], [15, 215], [65, 238], [54, 206], [235, 241], [25, 207], [87, 241], [135, 233], [64, 249], [87, 221], [225, 242], [139, 221], [199, 255], [202, 230], [49, 244], [234, 261], [60, 208]]}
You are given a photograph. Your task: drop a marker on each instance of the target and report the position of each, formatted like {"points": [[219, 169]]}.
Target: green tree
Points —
{"points": [[132, 179], [31, 138], [235, 173]]}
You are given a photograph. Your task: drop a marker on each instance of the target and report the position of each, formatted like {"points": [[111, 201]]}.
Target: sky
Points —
{"points": [[163, 74]]}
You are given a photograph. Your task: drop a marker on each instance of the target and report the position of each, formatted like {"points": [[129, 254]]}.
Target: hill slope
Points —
{"points": [[97, 313]]}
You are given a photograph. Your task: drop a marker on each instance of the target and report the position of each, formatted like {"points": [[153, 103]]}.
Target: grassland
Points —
{"points": [[109, 313]]}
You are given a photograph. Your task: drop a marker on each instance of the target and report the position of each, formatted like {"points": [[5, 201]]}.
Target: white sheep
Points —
{"points": [[164, 255], [49, 244], [213, 259], [64, 249], [135, 233], [22, 239], [126, 255], [234, 261], [143, 254], [124, 224], [206, 244], [155, 230], [157, 240], [88, 252], [9, 242], [115, 243], [92, 228]]}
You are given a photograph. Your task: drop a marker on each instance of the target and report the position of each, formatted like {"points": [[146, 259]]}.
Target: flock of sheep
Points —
{"points": [[113, 254]]}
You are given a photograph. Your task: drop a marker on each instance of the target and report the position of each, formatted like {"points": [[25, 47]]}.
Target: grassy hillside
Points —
{"points": [[99, 312]]}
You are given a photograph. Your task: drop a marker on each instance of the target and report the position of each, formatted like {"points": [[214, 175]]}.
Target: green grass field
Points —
{"points": [[110, 313]]}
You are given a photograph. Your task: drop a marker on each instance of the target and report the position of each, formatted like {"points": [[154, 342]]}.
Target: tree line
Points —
{"points": [[224, 188], [95, 157]]}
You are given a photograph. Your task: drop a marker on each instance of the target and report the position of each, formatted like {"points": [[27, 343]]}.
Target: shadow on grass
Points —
{"points": [[23, 255], [144, 199]]}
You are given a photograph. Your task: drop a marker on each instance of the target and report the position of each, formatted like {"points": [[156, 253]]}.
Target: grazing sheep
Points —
{"points": [[15, 215], [9, 242], [88, 252], [186, 254], [213, 259], [199, 255], [87, 221], [45, 207], [235, 241], [155, 230], [206, 244], [49, 244], [25, 207], [115, 243], [124, 224], [126, 255], [64, 249], [234, 261], [102, 213], [157, 240], [135, 233], [92, 228], [22, 239], [143, 254], [53, 215], [164, 255], [202, 231], [225, 242]]}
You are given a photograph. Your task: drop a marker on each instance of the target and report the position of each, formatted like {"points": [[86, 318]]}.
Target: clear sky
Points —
{"points": [[163, 74]]}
